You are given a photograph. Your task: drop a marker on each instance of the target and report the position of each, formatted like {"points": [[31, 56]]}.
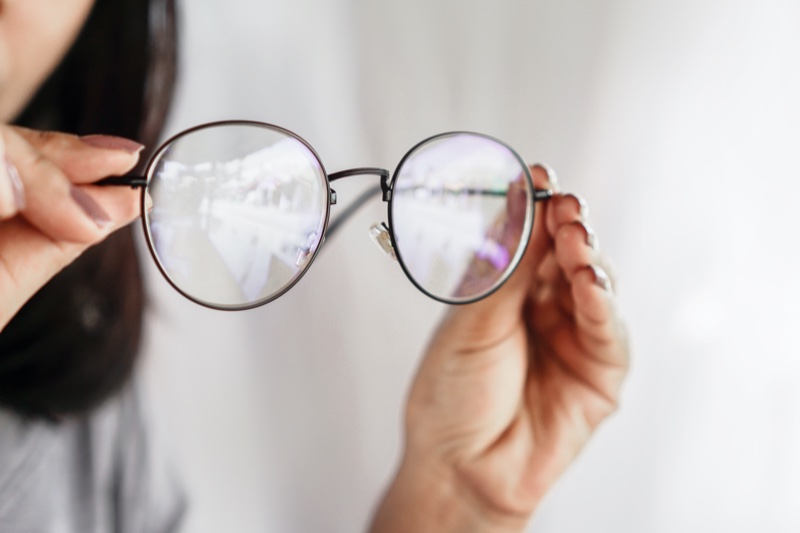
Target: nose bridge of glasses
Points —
{"points": [[385, 189], [365, 171]]}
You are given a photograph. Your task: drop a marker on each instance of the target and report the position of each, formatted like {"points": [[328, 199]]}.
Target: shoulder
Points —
{"points": [[56, 473], [101, 472]]}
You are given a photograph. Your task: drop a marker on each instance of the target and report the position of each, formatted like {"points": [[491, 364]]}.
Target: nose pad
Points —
{"points": [[379, 234], [303, 257]]}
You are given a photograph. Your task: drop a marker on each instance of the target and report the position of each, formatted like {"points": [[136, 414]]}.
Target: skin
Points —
{"points": [[510, 388], [52, 230], [34, 36]]}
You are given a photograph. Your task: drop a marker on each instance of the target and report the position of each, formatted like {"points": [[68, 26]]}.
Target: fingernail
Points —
{"points": [[582, 205], [90, 207], [17, 190], [591, 237], [601, 278], [110, 142], [552, 177]]}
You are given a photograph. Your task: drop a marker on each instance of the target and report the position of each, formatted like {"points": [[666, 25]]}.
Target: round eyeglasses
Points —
{"points": [[235, 212]]}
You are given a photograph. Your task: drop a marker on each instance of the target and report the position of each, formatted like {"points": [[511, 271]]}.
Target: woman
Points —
{"points": [[508, 392]]}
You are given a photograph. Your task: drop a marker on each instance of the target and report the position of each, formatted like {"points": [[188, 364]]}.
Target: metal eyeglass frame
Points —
{"points": [[387, 181]]}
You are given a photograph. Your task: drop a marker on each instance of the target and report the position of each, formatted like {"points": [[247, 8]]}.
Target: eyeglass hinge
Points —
{"points": [[385, 187], [333, 197]]}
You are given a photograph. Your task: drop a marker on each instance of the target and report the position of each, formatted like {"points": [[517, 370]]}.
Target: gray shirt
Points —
{"points": [[98, 474]]}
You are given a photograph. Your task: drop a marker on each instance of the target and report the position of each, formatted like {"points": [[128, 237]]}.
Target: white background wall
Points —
{"points": [[678, 121]]}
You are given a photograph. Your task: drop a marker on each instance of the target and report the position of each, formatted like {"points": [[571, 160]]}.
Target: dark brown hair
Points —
{"points": [[75, 342]]}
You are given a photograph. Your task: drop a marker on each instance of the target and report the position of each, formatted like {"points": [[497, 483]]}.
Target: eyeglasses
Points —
{"points": [[235, 212]]}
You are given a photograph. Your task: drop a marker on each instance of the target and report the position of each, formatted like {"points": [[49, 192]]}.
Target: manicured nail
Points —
{"points": [[552, 177], [591, 237], [582, 205], [17, 190], [90, 207], [110, 142], [601, 278]]}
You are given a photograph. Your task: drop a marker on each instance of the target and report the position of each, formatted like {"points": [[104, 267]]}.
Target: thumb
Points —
{"points": [[487, 321]]}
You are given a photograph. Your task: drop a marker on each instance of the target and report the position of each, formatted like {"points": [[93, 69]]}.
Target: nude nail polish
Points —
{"points": [[17, 190], [582, 205], [90, 207], [601, 278], [552, 177], [591, 238], [110, 142]]}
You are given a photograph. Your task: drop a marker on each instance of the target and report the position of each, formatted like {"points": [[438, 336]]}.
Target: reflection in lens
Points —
{"points": [[238, 212], [460, 210]]}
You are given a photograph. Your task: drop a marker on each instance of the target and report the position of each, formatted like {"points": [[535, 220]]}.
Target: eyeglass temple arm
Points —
{"points": [[134, 182], [141, 181]]}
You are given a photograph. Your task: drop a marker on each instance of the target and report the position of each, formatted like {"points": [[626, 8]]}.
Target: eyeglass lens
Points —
{"points": [[460, 210], [237, 213]]}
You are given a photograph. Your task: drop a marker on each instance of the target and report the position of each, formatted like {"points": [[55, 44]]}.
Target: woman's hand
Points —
{"points": [[512, 387], [49, 212]]}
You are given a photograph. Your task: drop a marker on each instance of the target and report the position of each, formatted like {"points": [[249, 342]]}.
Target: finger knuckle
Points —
{"points": [[45, 137], [38, 162], [78, 239], [571, 231]]}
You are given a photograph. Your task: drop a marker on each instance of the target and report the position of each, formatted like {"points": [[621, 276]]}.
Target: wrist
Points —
{"points": [[429, 497]]}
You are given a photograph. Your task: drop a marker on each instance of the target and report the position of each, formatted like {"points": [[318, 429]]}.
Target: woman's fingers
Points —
{"points": [[29, 257], [597, 325], [61, 209], [83, 159], [563, 209], [574, 248], [48, 213], [589, 293], [576, 278]]}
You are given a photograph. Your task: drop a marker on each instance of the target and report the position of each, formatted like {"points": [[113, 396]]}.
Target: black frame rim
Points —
{"points": [[527, 229], [150, 170]]}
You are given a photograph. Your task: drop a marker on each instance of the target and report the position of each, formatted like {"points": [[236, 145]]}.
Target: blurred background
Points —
{"points": [[679, 122]]}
